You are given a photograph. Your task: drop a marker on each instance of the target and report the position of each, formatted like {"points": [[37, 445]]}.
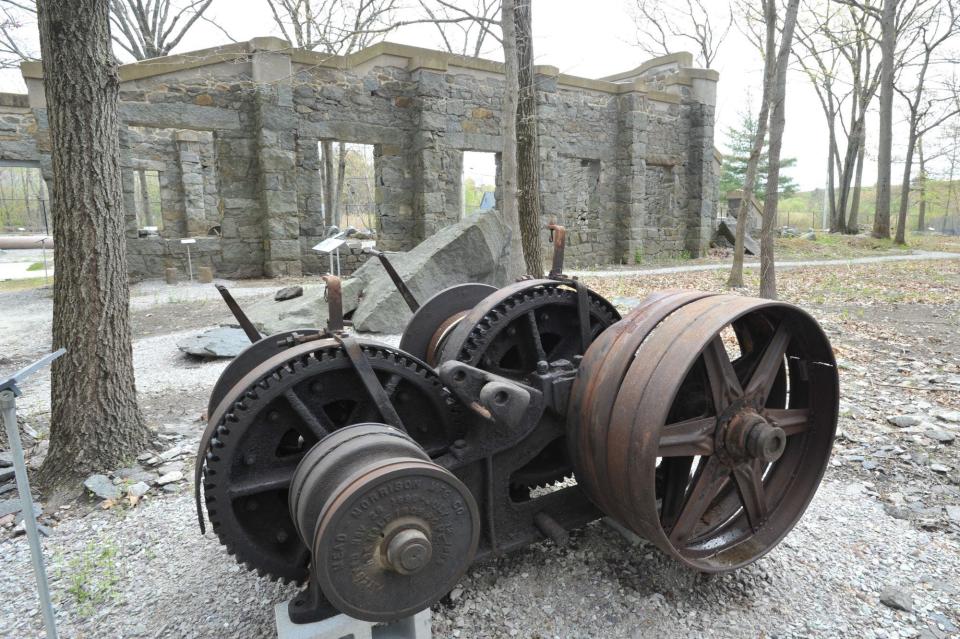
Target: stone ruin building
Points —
{"points": [[232, 134]]}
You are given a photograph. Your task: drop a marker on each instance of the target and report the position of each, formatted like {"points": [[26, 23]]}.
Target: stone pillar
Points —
{"points": [[700, 171], [131, 227], [434, 167], [191, 182], [631, 175], [276, 124]]}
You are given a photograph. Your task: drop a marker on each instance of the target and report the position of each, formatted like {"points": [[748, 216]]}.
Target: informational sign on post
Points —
{"points": [[188, 241], [331, 246]]}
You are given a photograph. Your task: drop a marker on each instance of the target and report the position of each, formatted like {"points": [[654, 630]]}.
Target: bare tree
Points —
{"points": [[152, 28], [14, 17], [664, 28], [508, 157], [528, 144], [778, 94], [464, 37], [927, 108], [95, 422], [769, 61]]}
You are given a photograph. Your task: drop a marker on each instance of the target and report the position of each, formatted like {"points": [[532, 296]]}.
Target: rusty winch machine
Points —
{"points": [[377, 475]]}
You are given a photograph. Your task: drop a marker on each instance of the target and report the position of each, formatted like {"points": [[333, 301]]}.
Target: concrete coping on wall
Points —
{"points": [[416, 58], [15, 100]]}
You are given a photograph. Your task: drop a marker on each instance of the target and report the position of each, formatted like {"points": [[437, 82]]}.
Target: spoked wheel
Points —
{"points": [[513, 329], [720, 429], [276, 413]]}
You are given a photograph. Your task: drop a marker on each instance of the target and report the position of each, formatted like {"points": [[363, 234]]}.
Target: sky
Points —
{"points": [[591, 39]]}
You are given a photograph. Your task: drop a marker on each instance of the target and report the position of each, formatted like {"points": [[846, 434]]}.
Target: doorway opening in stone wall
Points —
{"points": [[352, 184], [479, 182], [146, 197], [24, 204]]}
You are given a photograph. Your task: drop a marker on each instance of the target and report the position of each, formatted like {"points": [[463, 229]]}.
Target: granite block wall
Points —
{"points": [[233, 134]]}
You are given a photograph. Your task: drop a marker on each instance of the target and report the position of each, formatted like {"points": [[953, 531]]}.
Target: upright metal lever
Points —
{"points": [[397, 280]]}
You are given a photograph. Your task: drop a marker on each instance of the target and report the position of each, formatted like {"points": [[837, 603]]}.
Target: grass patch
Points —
{"points": [[91, 577], [7, 286], [36, 266]]}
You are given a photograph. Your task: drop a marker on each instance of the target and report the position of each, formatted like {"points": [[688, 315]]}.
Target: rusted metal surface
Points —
{"points": [[331, 493], [334, 297], [433, 321], [676, 421], [248, 328], [701, 434], [402, 287], [558, 236]]}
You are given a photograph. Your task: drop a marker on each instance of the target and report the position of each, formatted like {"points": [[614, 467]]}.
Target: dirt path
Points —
{"points": [[919, 256]]}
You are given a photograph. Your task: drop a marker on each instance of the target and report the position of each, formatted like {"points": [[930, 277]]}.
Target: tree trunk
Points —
{"points": [[853, 222], [95, 423], [888, 43], [778, 119], [508, 158], [329, 184], [528, 146], [901, 236], [736, 272], [922, 188], [341, 176]]}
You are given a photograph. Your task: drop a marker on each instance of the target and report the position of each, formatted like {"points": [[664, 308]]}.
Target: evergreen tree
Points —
{"points": [[734, 169]]}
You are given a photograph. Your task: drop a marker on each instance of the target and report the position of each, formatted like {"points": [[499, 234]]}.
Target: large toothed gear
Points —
{"points": [[276, 413]]}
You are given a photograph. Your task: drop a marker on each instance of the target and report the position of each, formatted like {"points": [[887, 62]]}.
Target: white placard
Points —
{"points": [[329, 245], [188, 241]]}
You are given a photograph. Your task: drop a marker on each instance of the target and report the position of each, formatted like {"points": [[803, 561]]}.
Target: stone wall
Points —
{"points": [[233, 134]]}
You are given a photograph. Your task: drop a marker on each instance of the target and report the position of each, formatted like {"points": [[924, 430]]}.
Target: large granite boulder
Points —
{"points": [[476, 249]]}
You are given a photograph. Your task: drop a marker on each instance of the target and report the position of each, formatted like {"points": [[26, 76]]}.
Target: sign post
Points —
{"points": [[9, 391], [188, 242]]}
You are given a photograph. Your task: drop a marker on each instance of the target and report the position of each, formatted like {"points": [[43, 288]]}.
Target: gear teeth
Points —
{"points": [[233, 425]]}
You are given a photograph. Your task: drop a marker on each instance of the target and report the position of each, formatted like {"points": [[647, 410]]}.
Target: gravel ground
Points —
{"points": [[824, 580], [146, 571]]}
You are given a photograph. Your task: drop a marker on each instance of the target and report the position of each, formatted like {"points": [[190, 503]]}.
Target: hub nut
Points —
{"points": [[409, 551]]}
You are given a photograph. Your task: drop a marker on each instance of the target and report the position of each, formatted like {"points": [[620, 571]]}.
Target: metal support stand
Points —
{"points": [[9, 391], [340, 626]]}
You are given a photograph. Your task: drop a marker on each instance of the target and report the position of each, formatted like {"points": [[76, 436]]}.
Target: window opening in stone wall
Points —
{"points": [[353, 185], [24, 205], [146, 194], [479, 180]]}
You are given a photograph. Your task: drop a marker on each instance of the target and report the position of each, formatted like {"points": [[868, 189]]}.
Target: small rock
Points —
{"points": [[953, 512], [171, 488], [941, 436], [6, 520], [173, 466], [809, 235], [952, 416], [142, 457], [897, 598], [6, 459], [897, 512], [102, 487], [940, 468], [138, 489], [288, 293], [170, 478], [5, 474], [456, 593], [223, 341], [171, 453], [905, 421]]}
